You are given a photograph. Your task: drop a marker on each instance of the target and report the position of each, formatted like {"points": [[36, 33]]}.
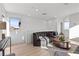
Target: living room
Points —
{"points": [[36, 18]]}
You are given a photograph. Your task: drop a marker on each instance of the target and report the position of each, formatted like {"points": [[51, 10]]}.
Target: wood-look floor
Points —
{"points": [[27, 50]]}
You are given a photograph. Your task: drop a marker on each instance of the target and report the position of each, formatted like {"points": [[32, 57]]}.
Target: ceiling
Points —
{"points": [[42, 10]]}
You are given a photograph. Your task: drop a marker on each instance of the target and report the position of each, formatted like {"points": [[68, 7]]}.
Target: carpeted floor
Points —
{"points": [[77, 50]]}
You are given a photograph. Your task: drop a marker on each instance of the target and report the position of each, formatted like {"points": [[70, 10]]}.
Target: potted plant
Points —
{"points": [[61, 38]]}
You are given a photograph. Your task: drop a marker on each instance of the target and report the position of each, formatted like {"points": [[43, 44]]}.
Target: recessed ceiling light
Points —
{"points": [[55, 16], [36, 9]]}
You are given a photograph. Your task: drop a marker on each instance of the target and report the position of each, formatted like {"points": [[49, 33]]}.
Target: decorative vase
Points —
{"points": [[61, 35]]}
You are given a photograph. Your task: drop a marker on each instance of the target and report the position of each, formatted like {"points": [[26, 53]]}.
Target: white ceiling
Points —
{"points": [[37, 9]]}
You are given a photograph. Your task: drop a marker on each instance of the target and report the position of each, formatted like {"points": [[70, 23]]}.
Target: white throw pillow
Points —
{"points": [[43, 42], [41, 38], [47, 39]]}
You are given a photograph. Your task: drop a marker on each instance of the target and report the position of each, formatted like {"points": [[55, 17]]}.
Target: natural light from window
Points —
{"points": [[14, 22], [74, 32], [66, 25]]}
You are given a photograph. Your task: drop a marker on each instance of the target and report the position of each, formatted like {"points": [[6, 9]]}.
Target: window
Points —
{"points": [[15, 22], [66, 25], [74, 32]]}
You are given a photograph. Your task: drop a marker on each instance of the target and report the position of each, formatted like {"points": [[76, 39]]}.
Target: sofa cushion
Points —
{"points": [[60, 53]]}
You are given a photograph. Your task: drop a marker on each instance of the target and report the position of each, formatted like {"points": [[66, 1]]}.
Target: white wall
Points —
{"points": [[29, 25]]}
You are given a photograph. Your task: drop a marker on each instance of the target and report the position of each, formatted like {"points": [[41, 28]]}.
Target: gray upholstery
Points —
{"points": [[49, 34], [59, 53]]}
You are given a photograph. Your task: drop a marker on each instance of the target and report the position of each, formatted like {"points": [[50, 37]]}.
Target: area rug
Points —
{"points": [[12, 54], [77, 50]]}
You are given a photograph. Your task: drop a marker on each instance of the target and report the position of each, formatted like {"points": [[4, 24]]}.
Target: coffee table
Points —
{"points": [[60, 44]]}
